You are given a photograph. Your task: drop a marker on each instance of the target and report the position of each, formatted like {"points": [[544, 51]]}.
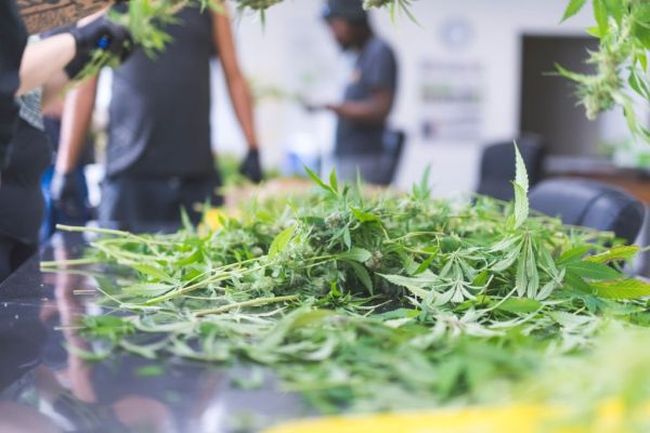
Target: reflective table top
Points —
{"points": [[46, 385]]}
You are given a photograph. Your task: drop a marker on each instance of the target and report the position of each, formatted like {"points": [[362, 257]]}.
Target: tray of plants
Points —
{"points": [[389, 302]]}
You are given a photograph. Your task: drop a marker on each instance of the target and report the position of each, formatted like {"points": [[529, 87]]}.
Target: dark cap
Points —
{"points": [[349, 10]]}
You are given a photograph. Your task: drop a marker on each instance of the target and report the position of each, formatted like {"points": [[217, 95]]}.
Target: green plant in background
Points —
{"points": [[623, 28], [370, 303]]}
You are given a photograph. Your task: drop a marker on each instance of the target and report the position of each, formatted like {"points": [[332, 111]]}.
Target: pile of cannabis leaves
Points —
{"points": [[369, 302]]}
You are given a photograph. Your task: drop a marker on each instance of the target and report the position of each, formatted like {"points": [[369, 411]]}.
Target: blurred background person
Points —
{"points": [[369, 94], [79, 211], [158, 157]]}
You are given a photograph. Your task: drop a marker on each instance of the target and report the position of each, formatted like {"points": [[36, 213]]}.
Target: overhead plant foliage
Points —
{"points": [[621, 63], [146, 20], [369, 302]]}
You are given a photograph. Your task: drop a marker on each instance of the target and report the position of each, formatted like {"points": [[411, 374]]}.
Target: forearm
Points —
{"points": [[361, 112], [44, 60], [42, 15], [242, 101], [75, 122], [54, 89]]}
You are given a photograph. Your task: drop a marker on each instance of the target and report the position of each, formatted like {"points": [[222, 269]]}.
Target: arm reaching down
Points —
{"points": [[239, 92], [75, 123]]}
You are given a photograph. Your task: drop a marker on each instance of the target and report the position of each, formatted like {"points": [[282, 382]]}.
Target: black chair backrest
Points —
{"points": [[498, 166], [591, 204], [393, 148]]}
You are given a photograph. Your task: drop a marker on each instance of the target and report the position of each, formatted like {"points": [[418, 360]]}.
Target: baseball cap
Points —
{"points": [[350, 10]]}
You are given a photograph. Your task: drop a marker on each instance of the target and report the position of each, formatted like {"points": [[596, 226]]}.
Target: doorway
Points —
{"points": [[548, 101]]}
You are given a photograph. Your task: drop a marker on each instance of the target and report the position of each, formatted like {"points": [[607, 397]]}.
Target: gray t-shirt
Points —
{"points": [[376, 69]]}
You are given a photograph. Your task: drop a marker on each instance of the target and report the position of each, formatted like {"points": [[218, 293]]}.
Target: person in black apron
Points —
{"points": [[159, 158], [369, 94], [23, 144]]}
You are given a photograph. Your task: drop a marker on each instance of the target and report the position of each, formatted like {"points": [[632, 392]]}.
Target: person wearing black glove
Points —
{"points": [[159, 159], [24, 72], [100, 34], [68, 198], [251, 166]]}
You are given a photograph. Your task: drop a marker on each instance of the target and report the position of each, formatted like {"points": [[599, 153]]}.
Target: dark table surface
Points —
{"points": [[45, 387]]}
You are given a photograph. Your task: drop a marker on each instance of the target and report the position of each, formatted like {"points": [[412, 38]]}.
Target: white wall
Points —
{"points": [[294, 44]]}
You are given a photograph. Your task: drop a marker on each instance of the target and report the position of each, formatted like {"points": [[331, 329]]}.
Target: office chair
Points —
{"points": [[393, 148], [591, 204]]}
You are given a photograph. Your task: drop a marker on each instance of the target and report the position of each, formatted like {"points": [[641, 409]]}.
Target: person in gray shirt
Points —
{"points": [[369, 94]]}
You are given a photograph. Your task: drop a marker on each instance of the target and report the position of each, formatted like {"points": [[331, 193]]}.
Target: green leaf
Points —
{"points": [[425, 264], [399, 313], [363, 216], [334, 183], [520, 305], [507, 260], [625, 252], [186, 222], [521, 190], [481, 279], [150, 290], [642, 58], [281, 241], [422, 190], [621, 289], [593, 271], [574, 254], [355, 254], [600, 14], [362, 274], [110, 327], [576, 282], [88, 355], [319, 181], [415, 284], [573, 8], [144, 351], [450, 372], [151, 271], [639, 85], [521, 282], [615, 8]]}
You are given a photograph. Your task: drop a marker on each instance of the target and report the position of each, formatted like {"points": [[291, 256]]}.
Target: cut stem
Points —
{"points": [[251, 303]]}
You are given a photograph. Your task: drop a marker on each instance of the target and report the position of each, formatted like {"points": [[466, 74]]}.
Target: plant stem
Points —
{"points": [[251, 303]]}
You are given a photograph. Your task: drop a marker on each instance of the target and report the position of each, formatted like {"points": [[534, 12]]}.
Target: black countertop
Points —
{"points": [[45, 387]]}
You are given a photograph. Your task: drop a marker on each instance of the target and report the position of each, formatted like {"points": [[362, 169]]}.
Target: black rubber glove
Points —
{"points": [[251, 167], [66, 195], [102, 34]]}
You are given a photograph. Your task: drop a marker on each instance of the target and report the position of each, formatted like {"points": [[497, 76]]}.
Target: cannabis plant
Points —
{"points": [[368, 302]]}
